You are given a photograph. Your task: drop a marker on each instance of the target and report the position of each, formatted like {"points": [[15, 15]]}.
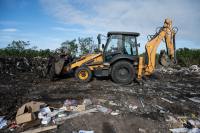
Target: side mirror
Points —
{"points": [[138, 45], [102, 46]]}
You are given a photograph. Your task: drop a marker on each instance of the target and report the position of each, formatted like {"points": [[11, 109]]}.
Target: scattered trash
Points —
{"points": [[116, 129], [112, 103], [2, 123], [109, 111], [161, 111], [142, 130], [81, 107], [83, 131], [142, 104], [115, 112], [194, 130], [87, 102], [167, 100], [132, 107], [103, 109], [148, 81], [69, 103], [73, 115], [179, 130], [195, 99], [192, 115], [46, 120], [158, 106], [174, 88], [97, 106]]}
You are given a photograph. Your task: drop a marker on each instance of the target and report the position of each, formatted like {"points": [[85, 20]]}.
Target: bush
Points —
{"points": [[187, 57]]}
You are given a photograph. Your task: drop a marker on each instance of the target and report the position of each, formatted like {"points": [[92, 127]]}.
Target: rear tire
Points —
{"points": [[123, 72], [83, 74]]}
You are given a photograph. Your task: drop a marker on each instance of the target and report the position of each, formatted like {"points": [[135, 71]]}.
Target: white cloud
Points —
{"points": [[63, 29], [6, 36], [82, 31], [137, 16], [9, 30]]}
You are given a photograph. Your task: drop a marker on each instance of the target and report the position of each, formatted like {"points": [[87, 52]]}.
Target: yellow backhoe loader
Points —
{"points": [[120, 59]]}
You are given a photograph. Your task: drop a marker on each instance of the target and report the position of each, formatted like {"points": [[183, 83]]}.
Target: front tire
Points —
{"points": [[83, 74], [123, 72]]}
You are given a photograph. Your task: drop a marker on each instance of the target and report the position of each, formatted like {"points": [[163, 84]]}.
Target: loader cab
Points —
{"points": [[120, 45]]}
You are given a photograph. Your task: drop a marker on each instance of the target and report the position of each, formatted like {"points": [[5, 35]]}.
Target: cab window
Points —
{"points": [[130, 45]]}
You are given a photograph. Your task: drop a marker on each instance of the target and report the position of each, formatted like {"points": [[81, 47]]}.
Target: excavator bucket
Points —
{"points": [[165, 60], [59, 66]]}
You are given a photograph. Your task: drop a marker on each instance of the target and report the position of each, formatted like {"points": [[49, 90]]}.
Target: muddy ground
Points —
{"points": [[19, 88]]}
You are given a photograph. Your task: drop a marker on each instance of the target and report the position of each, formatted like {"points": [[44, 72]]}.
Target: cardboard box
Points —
{"points": [[26, 112], [32, 123], [81, 107]]}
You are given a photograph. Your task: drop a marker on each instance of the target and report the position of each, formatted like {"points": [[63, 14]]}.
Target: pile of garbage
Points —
{"points": [[185, 70], [42, 66]]}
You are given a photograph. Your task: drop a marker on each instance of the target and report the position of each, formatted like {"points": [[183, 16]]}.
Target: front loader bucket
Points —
{"points": [[165, 60], [59, 66]]}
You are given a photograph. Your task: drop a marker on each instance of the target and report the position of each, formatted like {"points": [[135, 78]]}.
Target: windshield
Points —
{"points": [[114, 44]]}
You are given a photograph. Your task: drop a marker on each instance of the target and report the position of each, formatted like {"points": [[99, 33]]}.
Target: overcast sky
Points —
{"points": [[48, 23]]}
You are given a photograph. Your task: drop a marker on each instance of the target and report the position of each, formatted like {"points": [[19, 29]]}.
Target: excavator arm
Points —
{"points": [[151, 47]]}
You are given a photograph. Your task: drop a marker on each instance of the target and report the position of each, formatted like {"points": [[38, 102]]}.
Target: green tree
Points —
{"points": [[71, 46], [188, 57], [17, 49], [86, 45]]}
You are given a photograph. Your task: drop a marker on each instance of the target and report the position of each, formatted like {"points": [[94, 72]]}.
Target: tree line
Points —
{"points": [[19, 48], [185, 56]]}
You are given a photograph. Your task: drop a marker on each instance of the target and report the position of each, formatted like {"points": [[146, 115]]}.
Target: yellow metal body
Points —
{"points": [[97, 59], [152, 46]]}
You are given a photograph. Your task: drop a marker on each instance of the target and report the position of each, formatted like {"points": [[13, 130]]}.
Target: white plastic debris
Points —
{"points": [[43, 111], [83, 131], [158, 106], [52, 114], [142, 130], [171, 119], [167, 100], [2, 123], [179, 130], [132, 107], [194, 130], [46, 120], [112, 103], [195, 99], [62, 115], [115, 112], [103, 109], [87, 102], [72, 115]]}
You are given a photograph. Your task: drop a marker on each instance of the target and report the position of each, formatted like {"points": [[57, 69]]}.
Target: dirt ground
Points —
{"points": [[19, 88]]}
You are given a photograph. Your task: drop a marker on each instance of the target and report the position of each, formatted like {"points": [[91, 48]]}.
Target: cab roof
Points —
{"points": [[122, 33]]}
